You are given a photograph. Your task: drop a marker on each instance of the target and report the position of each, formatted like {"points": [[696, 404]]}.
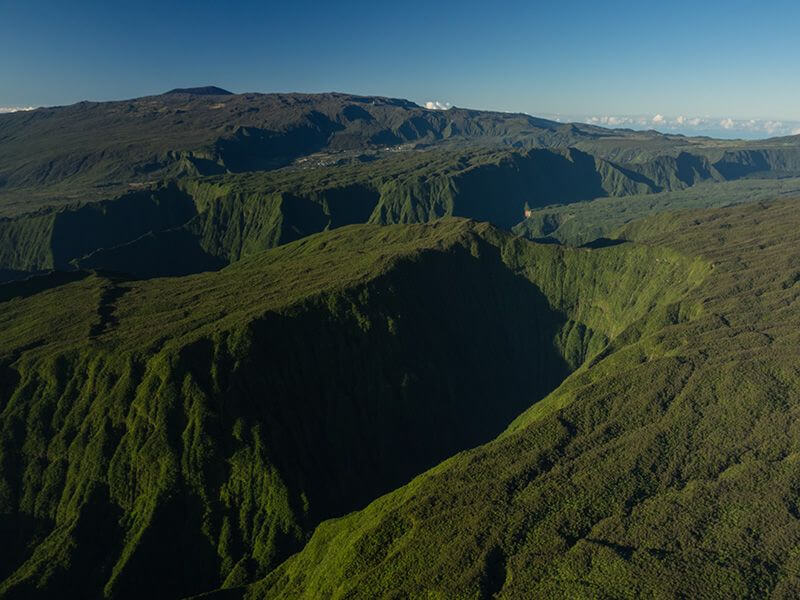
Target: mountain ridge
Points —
{"points": [[166, 136], [207, 90], [112, 357], [666, 467], [329, 345]]}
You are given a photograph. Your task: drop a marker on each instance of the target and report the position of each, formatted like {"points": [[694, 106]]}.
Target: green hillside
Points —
{"points": [[204, 223], [96, 150], [92, 150], [220, 417], [211, 221], [207, 177], [665, 467], [581, 223], [261, 346]]}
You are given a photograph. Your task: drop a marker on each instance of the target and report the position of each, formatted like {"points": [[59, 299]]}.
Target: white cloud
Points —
{"points": [[436, 105], [690, 125], [11, 109], [610, 121]]}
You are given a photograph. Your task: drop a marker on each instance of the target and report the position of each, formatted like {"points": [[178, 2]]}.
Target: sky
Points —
{"points": [[729, 68]]}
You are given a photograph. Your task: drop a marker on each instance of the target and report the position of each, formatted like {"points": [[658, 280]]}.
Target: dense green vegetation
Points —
{"points": [[207, 177], [310, 346], [92, 150], [203, 223], [51, 239], [665, 467], [285, 389], [581, 223]]}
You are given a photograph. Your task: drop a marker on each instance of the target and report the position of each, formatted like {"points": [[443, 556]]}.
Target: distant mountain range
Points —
{"points": [[720, 126], [91, 150], [208, 90], [215, 176]]}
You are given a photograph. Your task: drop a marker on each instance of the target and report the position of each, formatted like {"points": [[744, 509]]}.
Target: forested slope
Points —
{"points": [[665, 467], [204, 223], [219, 417]]}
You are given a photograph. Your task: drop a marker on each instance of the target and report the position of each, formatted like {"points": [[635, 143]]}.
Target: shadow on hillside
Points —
{"points": [[603, 242], [357, 394], [88, 228], [164, 254], [38, 283], [344, 398], [499, 193]]}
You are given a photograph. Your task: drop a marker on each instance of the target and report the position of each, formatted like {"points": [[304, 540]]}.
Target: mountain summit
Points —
{"points": [[208, 90]]}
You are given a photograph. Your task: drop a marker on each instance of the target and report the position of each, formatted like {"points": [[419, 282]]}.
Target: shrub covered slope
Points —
{"points": [[269, 352], [205, 223], [219, 417], [207, 177], [665, 467]]}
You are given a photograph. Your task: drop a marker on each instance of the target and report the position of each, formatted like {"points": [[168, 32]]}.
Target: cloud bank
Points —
{"points": [[436, 105], [11, 109], [691, 125]]}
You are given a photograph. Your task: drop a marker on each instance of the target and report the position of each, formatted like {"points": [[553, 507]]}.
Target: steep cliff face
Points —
{"points": [[668, 173], [59, 154], [667, 466], [733, 164], [498, 192], [207, 222], [311, 379], [237, 224], [52, 239], [238, 217]]}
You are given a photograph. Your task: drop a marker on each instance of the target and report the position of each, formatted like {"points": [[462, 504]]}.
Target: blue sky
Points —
{"points": [[715, 61]]}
